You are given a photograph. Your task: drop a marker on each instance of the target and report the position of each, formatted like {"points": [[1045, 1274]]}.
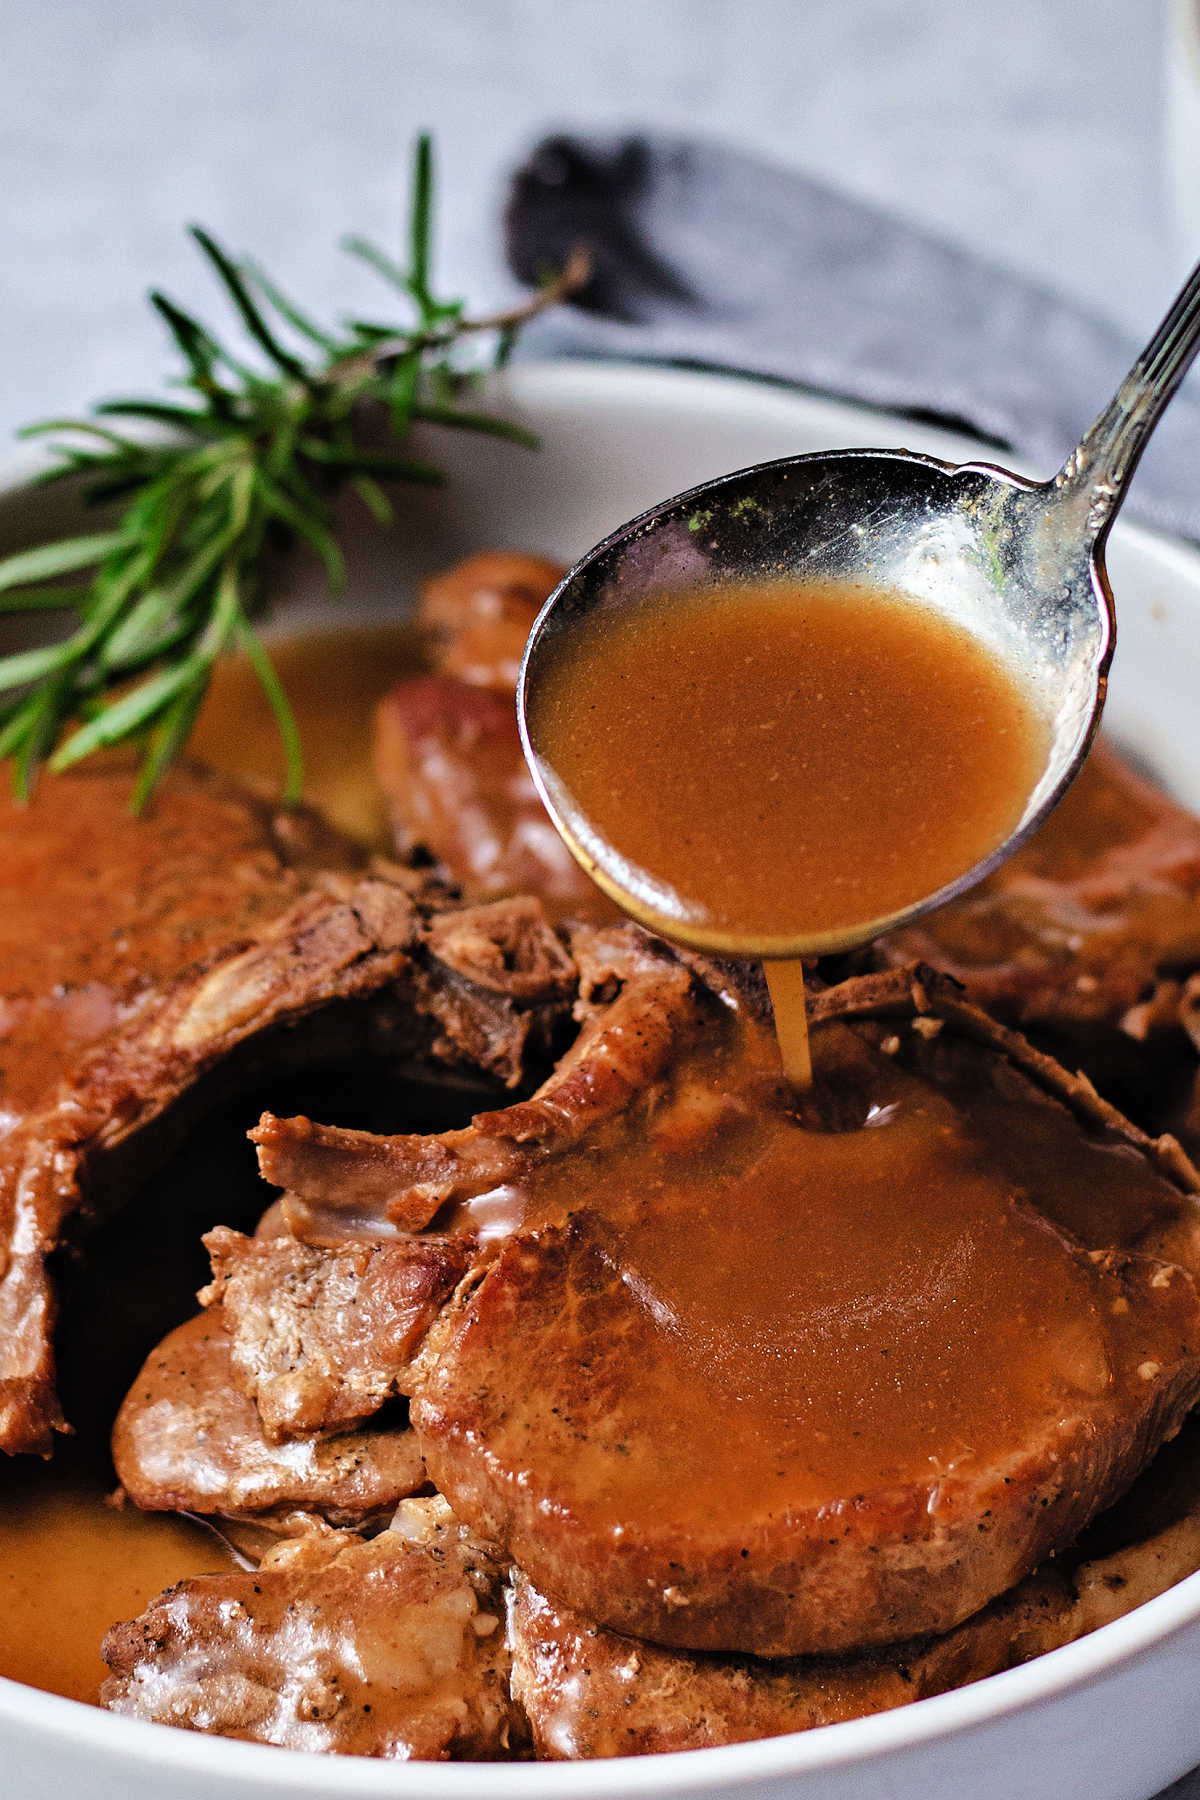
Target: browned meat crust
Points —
{"points": [[99, 913], [320, 1338], [535, 1393], [589, 1692], [636, 1001], [392, 1648], [447, 752], [137, 1027], [1082, 935], [188, 1440], [77, 1148]]}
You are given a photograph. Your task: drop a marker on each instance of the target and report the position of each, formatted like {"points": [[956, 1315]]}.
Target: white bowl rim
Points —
{"points": [[270, 1770], [266, 1768]]}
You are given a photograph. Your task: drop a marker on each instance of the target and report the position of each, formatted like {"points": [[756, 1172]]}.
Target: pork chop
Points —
{"points": [[589, 1692], [447, 750], [149, 966], [187, 1440], [741, 1383], [392, 1648], [732, 1378]]}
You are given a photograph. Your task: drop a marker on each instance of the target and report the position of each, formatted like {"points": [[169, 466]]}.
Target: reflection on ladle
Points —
{"points": [[972, 556]]}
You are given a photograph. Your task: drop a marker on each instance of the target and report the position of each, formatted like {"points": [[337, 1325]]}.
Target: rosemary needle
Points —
{"points": [[248, 459]]}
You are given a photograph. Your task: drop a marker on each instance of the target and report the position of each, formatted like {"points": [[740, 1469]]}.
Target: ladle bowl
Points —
{"points": [[1017, 563]]}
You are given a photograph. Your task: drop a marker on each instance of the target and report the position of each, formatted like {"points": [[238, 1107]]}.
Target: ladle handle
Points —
{"points": [[1098, 470]]}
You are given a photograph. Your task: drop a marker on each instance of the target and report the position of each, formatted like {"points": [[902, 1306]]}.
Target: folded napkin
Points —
{"points": [[703, 255]]}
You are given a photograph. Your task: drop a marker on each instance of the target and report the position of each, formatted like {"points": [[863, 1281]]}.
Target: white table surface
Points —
{"points": [[1032, 130]]}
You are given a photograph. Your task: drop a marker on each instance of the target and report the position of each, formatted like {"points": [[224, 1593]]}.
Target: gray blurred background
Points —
{"points": [[1033, 131]]}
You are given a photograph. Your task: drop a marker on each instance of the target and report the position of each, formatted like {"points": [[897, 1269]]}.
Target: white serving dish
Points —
{"points": [[1113, 1717]]}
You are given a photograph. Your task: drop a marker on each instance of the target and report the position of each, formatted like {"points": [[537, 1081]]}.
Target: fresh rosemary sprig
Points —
{"points": [[251, 458]]}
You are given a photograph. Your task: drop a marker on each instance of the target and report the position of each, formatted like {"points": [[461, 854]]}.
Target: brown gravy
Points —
{"points": [[805, 1313], [775, 763], [333, 680], [71, 1566]]}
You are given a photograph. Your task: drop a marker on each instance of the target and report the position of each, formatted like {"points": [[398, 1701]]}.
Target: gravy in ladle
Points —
{"points": [[762, 769]]}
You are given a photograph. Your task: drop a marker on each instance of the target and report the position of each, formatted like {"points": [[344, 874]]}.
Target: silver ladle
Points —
{"points": [[1018, 563]]}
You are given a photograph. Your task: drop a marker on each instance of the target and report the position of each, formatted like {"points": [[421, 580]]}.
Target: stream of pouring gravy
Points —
{"points": [[744, 764]]}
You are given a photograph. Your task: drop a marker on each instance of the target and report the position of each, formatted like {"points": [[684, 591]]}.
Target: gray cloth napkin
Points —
{"points": [[705, 256]]}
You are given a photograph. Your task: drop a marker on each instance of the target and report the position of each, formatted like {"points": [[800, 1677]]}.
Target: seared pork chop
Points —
{"points": [[731, 1377], [589, 1692], [738, 1383], [1085, 936], [447, 750], [188, 1440], [392, 1648], [146, 966]]}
